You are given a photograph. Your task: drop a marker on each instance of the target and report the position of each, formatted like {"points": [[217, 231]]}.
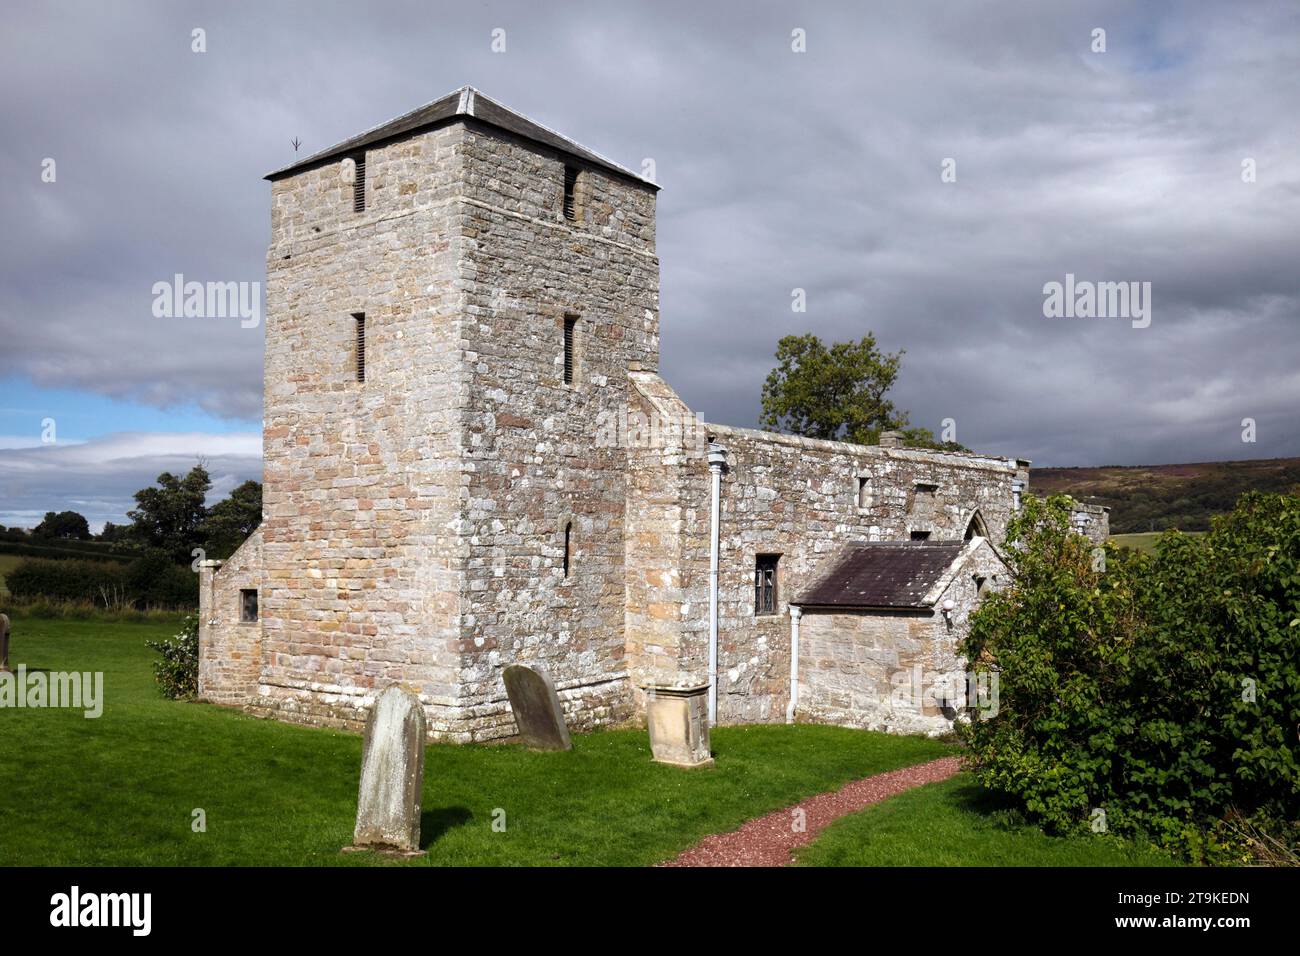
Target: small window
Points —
{"points": [[570, 348], [981, 585], [765, 583], [864, 492], [570, 190], [359, 183], [568, 546], [248, 605], [360, 318], [920, 536]]}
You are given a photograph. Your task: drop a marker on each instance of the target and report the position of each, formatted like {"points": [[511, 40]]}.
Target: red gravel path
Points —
{"points": [[771, 840]]}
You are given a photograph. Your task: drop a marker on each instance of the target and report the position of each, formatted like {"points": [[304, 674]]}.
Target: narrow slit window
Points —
{"points": [[248, 605], [360, 318], [570, 188], [359, 184], [568, 545], [765, 583], [864, 492], [570, 344]]}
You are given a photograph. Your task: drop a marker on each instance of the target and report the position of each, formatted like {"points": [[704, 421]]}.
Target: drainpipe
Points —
{"points": [[796, 612], [717, 461]]}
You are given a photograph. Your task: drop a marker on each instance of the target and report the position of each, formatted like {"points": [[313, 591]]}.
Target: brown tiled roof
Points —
{"points": [[467, 102], [884, 574]]}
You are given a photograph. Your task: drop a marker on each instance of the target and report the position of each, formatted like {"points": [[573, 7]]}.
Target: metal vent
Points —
{"points": [[570, 334], [361, 345], [570, 184], [359, 184]]}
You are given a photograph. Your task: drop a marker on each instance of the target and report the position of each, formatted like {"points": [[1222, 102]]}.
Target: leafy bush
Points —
{"points": [[1159, 689], [178, 671]]}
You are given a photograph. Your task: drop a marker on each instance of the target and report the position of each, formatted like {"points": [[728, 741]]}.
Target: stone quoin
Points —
{"points": [[459, 303]]}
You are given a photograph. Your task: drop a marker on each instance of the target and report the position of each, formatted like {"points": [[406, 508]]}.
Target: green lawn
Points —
{"points": [[957, 823], [121, 789]]}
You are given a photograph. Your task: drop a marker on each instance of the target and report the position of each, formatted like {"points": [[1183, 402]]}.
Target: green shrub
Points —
{"points": [[1159, 689], [178, 671]]}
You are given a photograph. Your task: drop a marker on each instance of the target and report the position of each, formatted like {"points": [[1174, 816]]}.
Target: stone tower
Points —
{"points": [[454, 298]]}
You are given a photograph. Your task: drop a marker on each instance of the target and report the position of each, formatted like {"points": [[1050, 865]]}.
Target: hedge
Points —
{"points": [[149, 581]]}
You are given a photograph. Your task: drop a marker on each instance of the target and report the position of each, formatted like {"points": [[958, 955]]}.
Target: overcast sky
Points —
{"points": [[818, 170]]}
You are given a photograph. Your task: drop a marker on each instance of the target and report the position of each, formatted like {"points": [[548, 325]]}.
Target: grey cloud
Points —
{"points": [[816, 170]]}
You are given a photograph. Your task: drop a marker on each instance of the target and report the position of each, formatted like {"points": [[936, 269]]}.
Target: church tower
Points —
{"points": [[454, 302]]}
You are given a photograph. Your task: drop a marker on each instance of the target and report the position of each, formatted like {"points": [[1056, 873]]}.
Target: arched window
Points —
{"points": [[976, 527]]}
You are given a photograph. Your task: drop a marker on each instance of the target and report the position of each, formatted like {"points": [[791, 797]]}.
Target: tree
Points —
{"points": [[65, 524], [838, 393], [233, 519], [170, 517], [115, 533]]}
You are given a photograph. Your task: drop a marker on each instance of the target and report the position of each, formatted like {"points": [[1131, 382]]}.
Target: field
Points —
{"points": [[127, 787], [1144, 541], [1147, 498]]}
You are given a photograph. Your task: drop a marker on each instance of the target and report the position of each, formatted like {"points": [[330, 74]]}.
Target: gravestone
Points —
{"points": [[392, 776], [536, 707], [678, 721], [4, 644]]}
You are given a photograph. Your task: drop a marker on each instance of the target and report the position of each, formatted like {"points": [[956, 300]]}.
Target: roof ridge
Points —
{"points": [[556, 133], [464, 102]]}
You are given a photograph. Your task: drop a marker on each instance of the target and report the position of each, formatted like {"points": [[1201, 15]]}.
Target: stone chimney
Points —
{"points": [[891, 439]]}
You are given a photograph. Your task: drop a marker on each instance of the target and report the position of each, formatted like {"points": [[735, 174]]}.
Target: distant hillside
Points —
{"points": [[1157, 497]]}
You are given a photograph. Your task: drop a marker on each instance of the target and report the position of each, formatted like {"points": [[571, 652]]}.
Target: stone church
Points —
{"points": [[471, 460]]}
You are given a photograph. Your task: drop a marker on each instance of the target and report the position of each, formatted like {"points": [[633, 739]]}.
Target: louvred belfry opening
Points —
{"points": [[360, 318], [359, 183]]}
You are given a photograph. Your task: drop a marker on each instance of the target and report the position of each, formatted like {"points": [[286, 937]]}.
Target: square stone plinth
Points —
{"points": [[678, 719]]}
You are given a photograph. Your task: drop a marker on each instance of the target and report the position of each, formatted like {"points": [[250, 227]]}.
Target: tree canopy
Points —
{"points": [[65, 524], [838, 393]]}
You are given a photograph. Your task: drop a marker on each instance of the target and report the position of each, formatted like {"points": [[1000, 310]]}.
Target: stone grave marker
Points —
{"points": [[392, 776], [536, 707]]}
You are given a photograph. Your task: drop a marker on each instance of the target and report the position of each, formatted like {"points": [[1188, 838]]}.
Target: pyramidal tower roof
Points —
{"points": [[467, 102]]}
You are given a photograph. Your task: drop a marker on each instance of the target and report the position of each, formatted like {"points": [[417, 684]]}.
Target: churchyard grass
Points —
{"points": [[124, 789], [958, 823]]}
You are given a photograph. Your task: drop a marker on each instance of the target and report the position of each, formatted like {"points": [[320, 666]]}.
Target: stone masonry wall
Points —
{"points": [[799, 498], [230, 650], [534, 462], [361, 552]]}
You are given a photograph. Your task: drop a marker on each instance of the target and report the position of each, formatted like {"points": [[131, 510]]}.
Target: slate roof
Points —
{"points": [[467, 102], [884, 574]]}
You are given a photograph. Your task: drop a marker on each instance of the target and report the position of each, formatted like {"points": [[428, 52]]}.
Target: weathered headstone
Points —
{"points": [[4, 644], [536, 707], [678, 720], [392, 776]]}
